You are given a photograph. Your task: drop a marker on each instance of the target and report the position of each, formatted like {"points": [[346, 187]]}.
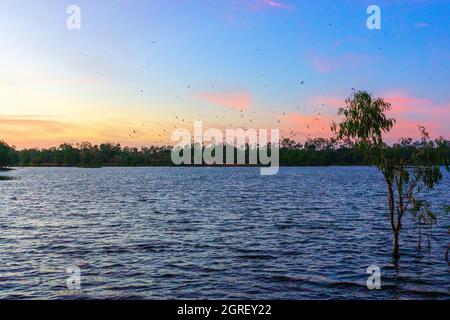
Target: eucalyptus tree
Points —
{"points": [[409, 168]]}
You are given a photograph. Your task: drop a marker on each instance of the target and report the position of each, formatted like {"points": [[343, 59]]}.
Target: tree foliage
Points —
{"points": [[365, 119], [7, 155]]}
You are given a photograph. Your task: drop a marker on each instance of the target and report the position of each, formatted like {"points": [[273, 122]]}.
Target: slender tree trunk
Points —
{"points": [[395, 228], [446, 255], [396, 251]]}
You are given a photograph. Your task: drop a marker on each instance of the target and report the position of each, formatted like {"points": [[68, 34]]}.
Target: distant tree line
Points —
{"points": [[314, 152]]}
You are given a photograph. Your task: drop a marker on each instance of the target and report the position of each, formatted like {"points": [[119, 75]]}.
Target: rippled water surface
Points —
{"points": [[226, 233]]}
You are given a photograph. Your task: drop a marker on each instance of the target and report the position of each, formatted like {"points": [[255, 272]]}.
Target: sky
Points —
{"points": [[136, 70]]}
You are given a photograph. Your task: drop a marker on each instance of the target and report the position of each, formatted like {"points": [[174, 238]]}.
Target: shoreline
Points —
{"points": [[192, 166]]}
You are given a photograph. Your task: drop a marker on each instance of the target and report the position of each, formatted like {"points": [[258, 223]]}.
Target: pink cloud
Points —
{"points": [[410, 111], [323, 64], [326, 64], [405, 105], [233, 100], [256, 5], [401, 99], [278, 5], [307, 125]]}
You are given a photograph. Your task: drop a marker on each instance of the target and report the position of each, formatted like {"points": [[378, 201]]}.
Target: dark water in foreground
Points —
{"points": [[189, 233]]}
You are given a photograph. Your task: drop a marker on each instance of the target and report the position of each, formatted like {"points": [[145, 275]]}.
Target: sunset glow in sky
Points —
{"points": [[138, 69]]}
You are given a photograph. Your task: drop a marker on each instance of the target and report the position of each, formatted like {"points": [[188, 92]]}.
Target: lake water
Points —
{"points": [[211, 233]]}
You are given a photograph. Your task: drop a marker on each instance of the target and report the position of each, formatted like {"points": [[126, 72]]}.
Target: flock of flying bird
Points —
{"points": [[245, 118], [291, 133]]}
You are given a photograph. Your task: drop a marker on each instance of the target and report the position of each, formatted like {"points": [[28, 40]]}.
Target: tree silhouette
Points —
{"points": [[6, 154]]}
